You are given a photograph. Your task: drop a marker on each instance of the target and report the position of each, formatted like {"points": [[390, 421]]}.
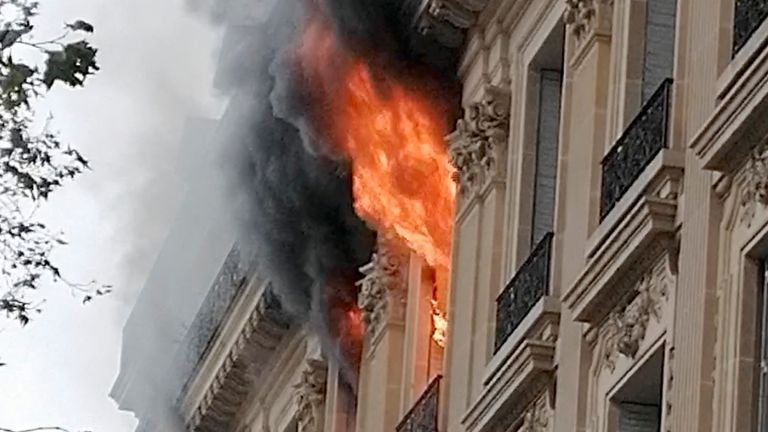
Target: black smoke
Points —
{"points": [[294, 196]]}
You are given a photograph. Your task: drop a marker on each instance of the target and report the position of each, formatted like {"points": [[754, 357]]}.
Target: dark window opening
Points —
{"points": [[639, 402]]}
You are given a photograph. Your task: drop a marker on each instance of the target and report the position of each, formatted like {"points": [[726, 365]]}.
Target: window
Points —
{"points": [[545, 178], [659, 55], [547, 77], [637, 405], [762, 364], [647, 101], [748, 15], [293, 426]]}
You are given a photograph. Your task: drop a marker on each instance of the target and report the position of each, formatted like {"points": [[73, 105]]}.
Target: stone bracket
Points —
{"points": [[641, 227], [518, 372], [738, 123]]}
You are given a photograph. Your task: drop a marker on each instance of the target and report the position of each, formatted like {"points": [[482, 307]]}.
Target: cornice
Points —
{"points": [[445, 20], [737, 123], [239, 365]]}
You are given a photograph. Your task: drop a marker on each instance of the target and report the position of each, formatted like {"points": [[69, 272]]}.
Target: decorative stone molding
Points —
{"points": [[517, 376], [382, 294], [632, 236], [310, 396], [670, 366], [755, 178], [587, 18], [447, 20], [241, 366], [625, 329], [478, 146], [538, 417]]}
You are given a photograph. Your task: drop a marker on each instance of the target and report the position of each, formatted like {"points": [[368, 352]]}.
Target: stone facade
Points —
{"points": [[652, 299]]}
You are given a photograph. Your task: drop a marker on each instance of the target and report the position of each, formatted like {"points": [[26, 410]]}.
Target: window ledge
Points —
{"points": [[642, 223], [662, 178], [738, 121], [742, 60], [522, 364]]}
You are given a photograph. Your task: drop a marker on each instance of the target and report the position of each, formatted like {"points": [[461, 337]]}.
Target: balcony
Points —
{"points": [[529, 285], [748, 15], [422, 417], [642, 177], [641, 142]]}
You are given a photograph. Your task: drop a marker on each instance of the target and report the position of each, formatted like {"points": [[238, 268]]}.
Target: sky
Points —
{"points": [[157, 64]]}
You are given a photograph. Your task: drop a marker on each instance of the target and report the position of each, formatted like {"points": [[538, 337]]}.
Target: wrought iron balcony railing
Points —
{"points": [[422, 417], [528, 286], [748, 15], [640, 143]]}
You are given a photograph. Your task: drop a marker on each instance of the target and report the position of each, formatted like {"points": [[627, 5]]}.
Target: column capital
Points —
{"points": [[382, 294], [587, 19], [310, 396], [478, 146]]}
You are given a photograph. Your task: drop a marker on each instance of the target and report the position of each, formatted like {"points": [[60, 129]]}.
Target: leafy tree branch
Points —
{"points": [[34, 163]]}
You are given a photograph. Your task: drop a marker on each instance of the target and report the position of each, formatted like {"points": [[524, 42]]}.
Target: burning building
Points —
{"points": [[487, 215]]}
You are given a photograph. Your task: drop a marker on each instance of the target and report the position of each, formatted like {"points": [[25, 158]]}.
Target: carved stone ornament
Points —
{"points": [[478, 151], [670, 387], [625, 330], [382, 290], [585, 17], [755, 190], [447, 20], [538, 418], [310, 396]]}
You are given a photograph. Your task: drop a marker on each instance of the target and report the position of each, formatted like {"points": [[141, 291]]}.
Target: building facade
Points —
{"points": [[610, 239]]}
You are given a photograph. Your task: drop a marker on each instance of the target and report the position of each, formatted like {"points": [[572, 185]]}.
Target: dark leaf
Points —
{"points": [[80, 25], [72, 65], [9, 37]]}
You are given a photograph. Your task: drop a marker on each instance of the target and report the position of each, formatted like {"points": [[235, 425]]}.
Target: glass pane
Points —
{"points": [[639, 418]]}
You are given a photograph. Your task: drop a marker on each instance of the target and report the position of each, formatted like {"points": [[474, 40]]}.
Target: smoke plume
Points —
{"points": [[294, 194]]}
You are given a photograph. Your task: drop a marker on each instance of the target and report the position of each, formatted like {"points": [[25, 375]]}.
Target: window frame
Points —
{"points": [[761, 366]]}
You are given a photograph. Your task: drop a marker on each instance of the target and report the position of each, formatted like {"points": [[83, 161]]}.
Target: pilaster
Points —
{"points": [[583, 140], [310, 396], [478, 149], [382, 301], [694, 326]]}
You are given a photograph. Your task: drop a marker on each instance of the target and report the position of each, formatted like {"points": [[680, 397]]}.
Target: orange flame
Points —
{"points": [[393, 137], [400, 167]]}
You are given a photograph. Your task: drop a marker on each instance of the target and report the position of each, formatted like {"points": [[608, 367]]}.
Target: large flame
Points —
{"points": [[400, 167], [393, 137]]}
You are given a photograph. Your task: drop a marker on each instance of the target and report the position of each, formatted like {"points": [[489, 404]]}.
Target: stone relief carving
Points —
{"points": [[478, 151], [382, 290], [625, 329], [447, 20], [585, 17], [755, 177], [310, 396], [455, 12], [670, 386], [537, 418]]}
